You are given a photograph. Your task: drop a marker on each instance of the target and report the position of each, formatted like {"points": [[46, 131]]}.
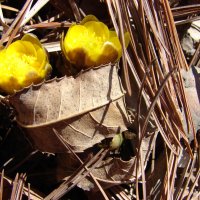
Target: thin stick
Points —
{"points": [[15, 22], [9, 8], [34, 10], [29, 193], [160, 128], [154, 103], [14, 187], [188, 178], [181, 180], [121, 31], [93, 177], [194, 184], [195, 57], [1, 185]]}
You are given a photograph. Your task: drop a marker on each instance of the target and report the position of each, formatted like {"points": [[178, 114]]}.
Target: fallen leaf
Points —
{"points": [[84, 110], [110, 171], [191, 80], [114, 171]]}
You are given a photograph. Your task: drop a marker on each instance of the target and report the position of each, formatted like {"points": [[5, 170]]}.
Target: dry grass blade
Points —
{"points": [[77, 176], [112, 15], [16, 24], [181, 180], [138, 111], [161, 110], [14, 187], [165, 189], [119, 193], [34, 10], [186, 21], [177, 59], [1, 16], [9, 8], [170, 23], [169, 97], [75, 10], [190, 172], [194, 185], [124, 61], [169, 181], [72, 182], [143, 130], [1, 185], [23, 17], [29, 193], [143, 176], [165, 48], [185, 11], [195, 57], [91, 175], [186, 108], [120, 30], [153, 27], [18, 186], [49, 25], [174, 168], [181, 62]]}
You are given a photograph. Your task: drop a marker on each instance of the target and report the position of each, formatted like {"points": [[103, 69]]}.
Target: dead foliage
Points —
{"points": [[151, 97]]}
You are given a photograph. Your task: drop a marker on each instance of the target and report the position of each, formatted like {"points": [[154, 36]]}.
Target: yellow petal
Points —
{"points": [[99, 29], [76, 36], [46, 71], [31, 38], [89, 18], [75, 42], [9, 83], [126, 37], [2, 59], [117, 45], [16, 47], [109, 54], [41, 58], [112, 34], [29, 48]]}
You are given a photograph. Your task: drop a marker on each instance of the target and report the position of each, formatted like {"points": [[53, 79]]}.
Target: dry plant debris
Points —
{"points": [[55, 136]]}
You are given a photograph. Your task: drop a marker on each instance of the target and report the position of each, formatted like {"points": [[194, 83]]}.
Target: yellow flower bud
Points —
{"points": [[91, 43], [116, 141], [24, 62]]}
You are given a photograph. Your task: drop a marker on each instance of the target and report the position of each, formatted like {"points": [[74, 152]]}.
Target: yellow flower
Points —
{"points": [[91, 43], [24, 62]]}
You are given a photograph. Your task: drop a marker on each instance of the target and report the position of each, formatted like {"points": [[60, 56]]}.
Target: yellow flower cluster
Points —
{"points": [[24, 62], [85, 45]]}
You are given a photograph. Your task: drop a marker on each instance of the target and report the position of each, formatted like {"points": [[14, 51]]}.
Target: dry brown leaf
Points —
{"points": [[111, 171], [84, 110], [192, 89], [117, 171]]}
